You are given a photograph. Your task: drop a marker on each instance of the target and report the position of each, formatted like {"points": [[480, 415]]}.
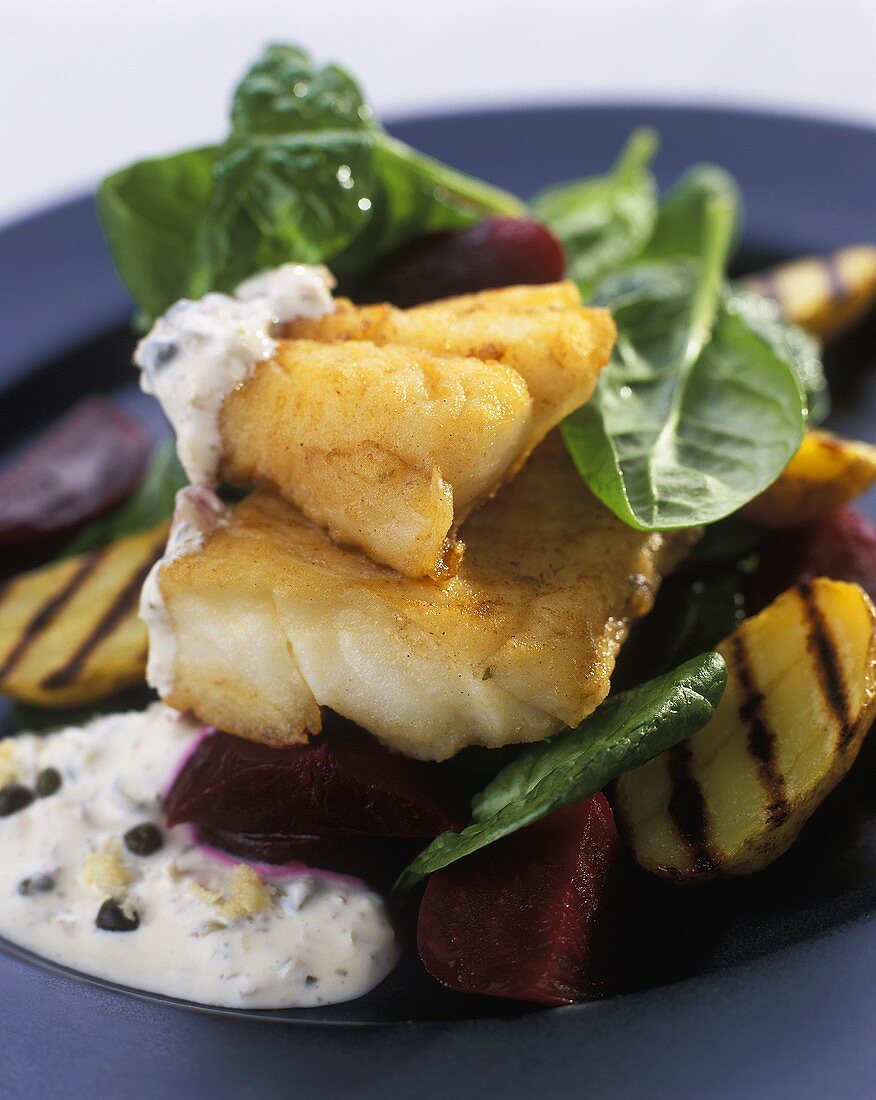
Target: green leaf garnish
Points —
{"points": [[606, 221], [624, 733], [696, 413], [790, 343], [306, 174]]}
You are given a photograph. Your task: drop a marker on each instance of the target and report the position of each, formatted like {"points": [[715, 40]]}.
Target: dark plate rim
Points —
{"points": [[680, 106]]}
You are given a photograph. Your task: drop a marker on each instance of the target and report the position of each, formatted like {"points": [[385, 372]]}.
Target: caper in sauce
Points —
{"points": [[143, 840], [48, 782], [14, 797]]}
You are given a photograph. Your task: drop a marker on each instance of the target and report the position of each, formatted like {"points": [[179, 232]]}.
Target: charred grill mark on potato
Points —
{"points": [[687, 808], [115, 614], [47, 613], [801, 695], [762, 738], [827, 664], [824, 294]]}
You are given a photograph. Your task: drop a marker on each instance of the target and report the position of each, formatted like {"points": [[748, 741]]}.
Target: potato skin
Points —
{"points": [[823, 294], [826, 472], [800, 697]]}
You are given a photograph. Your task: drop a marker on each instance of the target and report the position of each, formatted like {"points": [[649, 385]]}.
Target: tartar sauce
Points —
{"points": [[95, 850], [199, 351]]}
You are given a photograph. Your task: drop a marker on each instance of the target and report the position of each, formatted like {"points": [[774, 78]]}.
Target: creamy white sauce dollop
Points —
{"points": [[318, 939], [199, 351]]}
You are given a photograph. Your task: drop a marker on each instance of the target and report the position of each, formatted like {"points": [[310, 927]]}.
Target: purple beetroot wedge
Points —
{"points": [[525, 917], [341, 783], [497, 252]]}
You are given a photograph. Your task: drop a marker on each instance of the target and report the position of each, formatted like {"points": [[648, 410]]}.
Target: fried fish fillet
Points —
{"points": [[389, 427], [382, 446], [542, 332], [271, 620]]}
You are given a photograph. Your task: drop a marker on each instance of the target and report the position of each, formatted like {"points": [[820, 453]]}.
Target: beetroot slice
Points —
{"points": [[375, 860], [525, 918], [497, 252], [342, 783], [82, 467], [841, 546]]}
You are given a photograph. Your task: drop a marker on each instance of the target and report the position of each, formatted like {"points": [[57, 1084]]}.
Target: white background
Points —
{"points": [[87, 85]]}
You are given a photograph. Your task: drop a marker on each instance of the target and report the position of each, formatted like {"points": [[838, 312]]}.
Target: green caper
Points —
{"points": [[112, 917], [14, 797], [143, 840], [48, 782]]}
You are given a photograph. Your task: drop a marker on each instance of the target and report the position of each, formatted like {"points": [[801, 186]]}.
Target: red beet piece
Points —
{"points": [[82, 467], [842, 546], [376, 860], [342, 783], [496, 252], [525, 918]]}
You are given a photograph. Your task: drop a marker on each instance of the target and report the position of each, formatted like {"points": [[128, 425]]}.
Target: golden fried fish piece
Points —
{"points": [[271, 620], [542, 332], [389, 427], [385, 447]]}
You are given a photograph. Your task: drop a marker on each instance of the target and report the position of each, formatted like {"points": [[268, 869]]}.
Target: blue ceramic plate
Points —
{"points": [[760, 987]]}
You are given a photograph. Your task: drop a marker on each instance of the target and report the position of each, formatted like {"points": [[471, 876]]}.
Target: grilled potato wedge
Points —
{"points": [[69, 632], [823, 294], [825, 473], [800, 696]]}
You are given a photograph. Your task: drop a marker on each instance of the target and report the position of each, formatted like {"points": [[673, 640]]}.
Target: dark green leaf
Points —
{"points": [[605, 221], [624, 733], [724, 543], [790, 342], [685, 211], [151, 503], [414, 194], [695, 414], [305, 174], [302, 196], [153, 215], [285, 92]]}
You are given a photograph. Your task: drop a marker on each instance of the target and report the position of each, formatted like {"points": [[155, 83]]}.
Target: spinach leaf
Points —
{"points": [[686, 209], [151, 503], [790, 342], [723, 544], [153, 216], [414, 194], [624, 733], [606, 221], [294, 177], [305, 174], [286, 92], [695, 414]]}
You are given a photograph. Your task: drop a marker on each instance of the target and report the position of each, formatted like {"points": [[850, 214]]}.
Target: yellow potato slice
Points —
{"points": [[271, 621], [826, 472], [69, 632], [824, 294], [801, 695]]}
